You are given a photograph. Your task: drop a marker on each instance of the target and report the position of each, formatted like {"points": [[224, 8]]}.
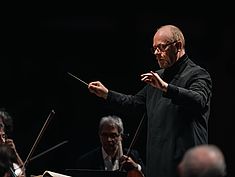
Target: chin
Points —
{"points": [[163, 66]]}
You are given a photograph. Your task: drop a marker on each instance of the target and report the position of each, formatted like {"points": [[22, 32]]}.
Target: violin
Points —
{"points": [[133, 172]]}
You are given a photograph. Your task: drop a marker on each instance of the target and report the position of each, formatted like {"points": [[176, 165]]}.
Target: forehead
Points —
{"points": [[161, 36]]}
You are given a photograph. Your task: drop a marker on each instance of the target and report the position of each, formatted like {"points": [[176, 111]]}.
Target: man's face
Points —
{"points": [[164, 51], [109, 138]]}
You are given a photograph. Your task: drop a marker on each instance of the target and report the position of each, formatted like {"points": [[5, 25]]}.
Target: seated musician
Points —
{"points": [[110, 155], [6, 128]]}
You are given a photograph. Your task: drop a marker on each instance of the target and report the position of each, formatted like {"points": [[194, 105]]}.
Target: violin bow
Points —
{"points": [[52, 113], [48, 150], [134, 138], [136, 134]]}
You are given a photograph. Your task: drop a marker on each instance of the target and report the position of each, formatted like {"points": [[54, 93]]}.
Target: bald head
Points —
{"points": [[203, 161], [171, 33]]}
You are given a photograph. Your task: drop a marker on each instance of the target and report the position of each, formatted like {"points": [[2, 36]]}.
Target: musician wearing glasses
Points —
{"points": [[110, 156], [176, 100]]}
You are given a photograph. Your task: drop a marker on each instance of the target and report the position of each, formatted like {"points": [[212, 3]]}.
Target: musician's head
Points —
{"points": [[6, 121], [110, 133]]}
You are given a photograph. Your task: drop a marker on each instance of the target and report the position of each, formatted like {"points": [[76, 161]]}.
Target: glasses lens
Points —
{"points": [[111, 135], [161, 47]]}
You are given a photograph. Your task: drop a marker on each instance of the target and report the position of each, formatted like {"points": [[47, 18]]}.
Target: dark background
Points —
{"points": [[40, 45]]}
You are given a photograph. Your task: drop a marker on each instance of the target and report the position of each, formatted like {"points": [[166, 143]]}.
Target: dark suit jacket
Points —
{"points": [[177, 119], [94, 160]]}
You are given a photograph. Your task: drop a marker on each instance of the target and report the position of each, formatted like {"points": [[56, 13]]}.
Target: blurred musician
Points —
{"points": [[6, 128]]}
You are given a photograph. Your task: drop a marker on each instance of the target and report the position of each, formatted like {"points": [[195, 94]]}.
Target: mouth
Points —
{"points": [[111, 145]]}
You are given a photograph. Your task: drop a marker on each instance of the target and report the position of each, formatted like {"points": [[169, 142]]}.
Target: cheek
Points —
{"points": [[171, 58]]}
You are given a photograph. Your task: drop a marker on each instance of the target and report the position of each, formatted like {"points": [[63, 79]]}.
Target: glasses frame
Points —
{"points": [[110, 135], [162, 47]]}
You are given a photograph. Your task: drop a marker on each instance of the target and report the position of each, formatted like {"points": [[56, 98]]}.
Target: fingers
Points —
{"points": [[151, 74], [98, 88], [147, 77], [128, 162], [94, 86], [151, 78], [127, 159], [11, 144]]}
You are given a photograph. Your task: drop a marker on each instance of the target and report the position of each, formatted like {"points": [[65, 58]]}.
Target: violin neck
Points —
{"points": [[120, 148]]}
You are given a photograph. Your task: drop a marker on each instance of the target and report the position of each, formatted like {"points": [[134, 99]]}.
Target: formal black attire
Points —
{"points": [[177, 119], [94, 159]]}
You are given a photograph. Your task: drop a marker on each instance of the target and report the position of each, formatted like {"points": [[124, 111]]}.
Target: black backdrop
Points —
{"points": [[38, 49]]}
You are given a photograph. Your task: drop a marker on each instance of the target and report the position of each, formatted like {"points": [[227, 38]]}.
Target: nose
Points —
{"points": [[109, 138]]}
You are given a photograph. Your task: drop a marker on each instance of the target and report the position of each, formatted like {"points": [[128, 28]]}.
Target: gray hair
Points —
{"points": [[112, 120], [7, 121], [204, 161]]}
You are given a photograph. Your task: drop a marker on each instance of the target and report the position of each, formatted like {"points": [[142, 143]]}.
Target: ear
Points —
{"points": [[178, 46]]}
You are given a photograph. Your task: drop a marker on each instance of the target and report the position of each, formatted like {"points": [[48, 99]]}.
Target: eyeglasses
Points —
{"points": [[110, 135], [161, 47]]}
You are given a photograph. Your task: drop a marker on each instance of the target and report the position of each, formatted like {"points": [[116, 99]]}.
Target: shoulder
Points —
{"points": [[95, 152], [197, 71], [196, 66], [90, 160]]}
